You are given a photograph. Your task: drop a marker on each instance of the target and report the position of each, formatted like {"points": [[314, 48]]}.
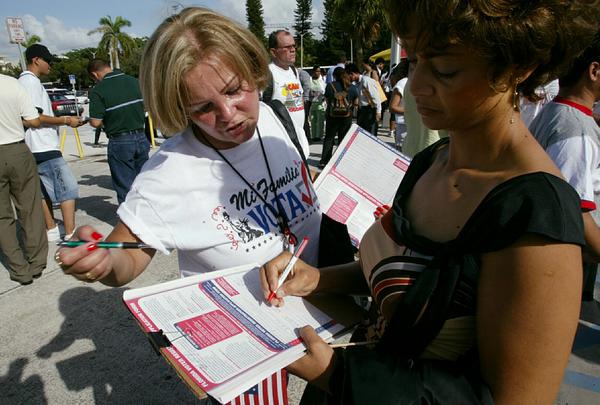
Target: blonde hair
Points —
{"points": [[182, 41]]}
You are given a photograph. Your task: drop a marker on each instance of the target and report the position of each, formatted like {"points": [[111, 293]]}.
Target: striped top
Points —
{"points": [[391, 269]]}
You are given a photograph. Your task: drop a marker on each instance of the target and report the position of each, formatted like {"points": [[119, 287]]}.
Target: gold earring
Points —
{"points": [[515, 100]]}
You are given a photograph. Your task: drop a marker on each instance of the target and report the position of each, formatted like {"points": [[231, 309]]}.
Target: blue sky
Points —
{"points": [[63, 24]]}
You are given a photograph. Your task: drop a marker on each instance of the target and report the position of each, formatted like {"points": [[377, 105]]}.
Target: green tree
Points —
{"points": [[72, 62], [256, 22], [131, 62], [302, 19], [335, 40], [302, 26], [366, 19], [31, 39], [113, 41]]}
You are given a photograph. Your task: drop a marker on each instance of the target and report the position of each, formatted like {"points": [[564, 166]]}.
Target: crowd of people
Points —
{"points": [[490, 231]]}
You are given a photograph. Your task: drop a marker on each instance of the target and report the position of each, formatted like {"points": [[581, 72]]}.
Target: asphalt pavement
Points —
{"points": [[63, 341]]}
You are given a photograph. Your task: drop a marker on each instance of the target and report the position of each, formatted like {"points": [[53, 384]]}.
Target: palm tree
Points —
{"points": [[113, 40], [366, 20], [31, 39]]}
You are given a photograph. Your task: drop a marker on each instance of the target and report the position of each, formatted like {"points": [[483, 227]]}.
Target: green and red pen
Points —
{"points": [[105, 245]]}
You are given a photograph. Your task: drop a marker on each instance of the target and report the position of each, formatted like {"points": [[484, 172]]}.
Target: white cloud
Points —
{"points": [[62, 36], [58, 36]]}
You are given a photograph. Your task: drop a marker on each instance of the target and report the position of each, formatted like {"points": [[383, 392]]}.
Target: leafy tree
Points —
{"points": [[131, 62], [73, 62], [302, 19], [335, 40], [31, 39], [256, 22], [366, 19], [113, 41], [302, 26], [11, 70]]}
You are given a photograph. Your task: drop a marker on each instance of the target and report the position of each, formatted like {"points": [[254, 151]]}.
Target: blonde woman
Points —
{"points": [[228, 187]]}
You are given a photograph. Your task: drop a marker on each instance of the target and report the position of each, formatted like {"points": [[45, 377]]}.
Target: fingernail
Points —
{"points": [[92, 247], [97, 236], [387, 207], [379, 209]]}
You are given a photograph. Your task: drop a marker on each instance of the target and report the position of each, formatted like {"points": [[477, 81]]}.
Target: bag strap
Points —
{"points": [[267, 94], [284, 116], [332, 88]]}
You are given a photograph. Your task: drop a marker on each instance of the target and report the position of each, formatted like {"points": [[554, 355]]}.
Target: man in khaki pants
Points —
{"points": [[19, 183]]}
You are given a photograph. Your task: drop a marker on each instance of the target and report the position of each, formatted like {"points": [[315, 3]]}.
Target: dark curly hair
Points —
{"points": [[509, 34]]}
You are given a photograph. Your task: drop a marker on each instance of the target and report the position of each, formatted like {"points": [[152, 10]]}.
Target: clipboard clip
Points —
{"points": [[158, 340]]}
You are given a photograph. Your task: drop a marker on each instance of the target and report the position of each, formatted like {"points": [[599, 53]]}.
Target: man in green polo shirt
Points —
{"points": [[116, 103]]}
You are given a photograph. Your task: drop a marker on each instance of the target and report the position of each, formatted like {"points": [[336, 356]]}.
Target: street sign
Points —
{"points": [[16, 32], [72, 79]]}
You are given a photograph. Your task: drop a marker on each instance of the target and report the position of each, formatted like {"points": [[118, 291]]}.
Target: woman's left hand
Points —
{"points": [[316, 366]]}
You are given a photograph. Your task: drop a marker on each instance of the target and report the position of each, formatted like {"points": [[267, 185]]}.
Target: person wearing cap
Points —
{"points": [[116, 104], [58, 182], [20, 186]]}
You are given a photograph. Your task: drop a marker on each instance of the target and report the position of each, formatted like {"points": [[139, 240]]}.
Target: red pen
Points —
{"points": [[289, 267]]}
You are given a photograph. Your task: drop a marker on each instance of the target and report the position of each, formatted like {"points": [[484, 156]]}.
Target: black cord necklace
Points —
{"points": [[279, 213]]}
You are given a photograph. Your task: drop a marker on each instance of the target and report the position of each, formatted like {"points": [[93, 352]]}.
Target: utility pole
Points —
{"points": [[395, 53], [301, 50]]}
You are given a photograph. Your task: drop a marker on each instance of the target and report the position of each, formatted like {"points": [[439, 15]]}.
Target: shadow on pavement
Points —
{"points": [[16, 391], [99, 207], [104, 181], [122, 368], [587, 343]]}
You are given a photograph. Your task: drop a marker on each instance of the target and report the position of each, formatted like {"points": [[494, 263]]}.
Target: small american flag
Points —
{"points": [[270, 391]]}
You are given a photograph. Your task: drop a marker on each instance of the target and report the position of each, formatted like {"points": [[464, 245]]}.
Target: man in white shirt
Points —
{"points": [[286, 86], [60, 186], [21, 186], [369, 103]]}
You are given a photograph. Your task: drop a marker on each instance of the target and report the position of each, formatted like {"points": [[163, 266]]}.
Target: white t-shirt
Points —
{"points": [[571, 138], [371, 88], [399, 87], [15, 104], [288, 89], [44, 138], [529, 110], [187, 198]]}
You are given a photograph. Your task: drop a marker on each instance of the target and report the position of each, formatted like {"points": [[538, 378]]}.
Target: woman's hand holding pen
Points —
{"points": [[317, 365], [85, 262], [301, 282]]}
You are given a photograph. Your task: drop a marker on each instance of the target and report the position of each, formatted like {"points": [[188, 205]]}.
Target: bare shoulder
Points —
{"points": [[531, 157]]}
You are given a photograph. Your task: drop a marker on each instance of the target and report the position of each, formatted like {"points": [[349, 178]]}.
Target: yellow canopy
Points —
{"points": [[386, 54]]}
